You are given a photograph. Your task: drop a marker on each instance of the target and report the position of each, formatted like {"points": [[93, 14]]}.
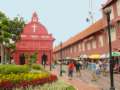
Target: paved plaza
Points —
{"points": [[85, 81], [77, 42]]}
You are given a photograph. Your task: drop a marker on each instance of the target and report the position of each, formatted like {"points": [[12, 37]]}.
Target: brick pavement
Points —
{"points": [[103, 82], [78, 84], [84, 82]]}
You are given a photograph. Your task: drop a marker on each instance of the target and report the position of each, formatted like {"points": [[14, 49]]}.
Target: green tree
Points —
{"points": [[15, 29], [10, 31], [33, 57], [4, 34]]}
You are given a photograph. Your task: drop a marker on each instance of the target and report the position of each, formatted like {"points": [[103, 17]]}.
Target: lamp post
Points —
{"points": [[107, 13], [61, 59]]}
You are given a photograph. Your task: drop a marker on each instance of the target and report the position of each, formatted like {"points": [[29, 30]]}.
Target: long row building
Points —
{"points": [[94, 39]]}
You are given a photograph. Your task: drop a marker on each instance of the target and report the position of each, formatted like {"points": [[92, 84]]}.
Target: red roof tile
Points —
{"points": [[108, 3], [99, 25]]}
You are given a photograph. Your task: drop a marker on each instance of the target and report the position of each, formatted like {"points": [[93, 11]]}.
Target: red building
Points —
{"points": [[94, 39], [34, 37]]}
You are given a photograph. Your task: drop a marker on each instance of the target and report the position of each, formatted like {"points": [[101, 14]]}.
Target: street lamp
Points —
{"points": [[61, 59], [107, 12]]}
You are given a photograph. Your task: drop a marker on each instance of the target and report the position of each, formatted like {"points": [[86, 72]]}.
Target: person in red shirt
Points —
{"points": [[71, 67]]}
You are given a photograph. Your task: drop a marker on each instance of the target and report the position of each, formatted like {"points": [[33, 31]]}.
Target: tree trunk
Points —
{"points": [[6, 57], [2, 53]]}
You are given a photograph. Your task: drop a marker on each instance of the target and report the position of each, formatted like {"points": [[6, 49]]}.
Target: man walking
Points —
{"points": [[78, 68], [70, 69]]}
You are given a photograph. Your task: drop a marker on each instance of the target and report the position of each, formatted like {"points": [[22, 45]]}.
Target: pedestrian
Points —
{"points": [[100, 64], [104, 68], [93, 67], [97, 70], [78, 68], [86, 64], [70, 69]]}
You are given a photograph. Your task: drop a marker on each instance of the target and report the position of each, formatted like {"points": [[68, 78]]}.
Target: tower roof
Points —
{"points": [[34, 17]]}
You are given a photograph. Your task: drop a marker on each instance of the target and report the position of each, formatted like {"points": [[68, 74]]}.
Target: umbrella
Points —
{"points": [[81, 56], [94, 56], [68, 58], [84, 56], [103, 56]]}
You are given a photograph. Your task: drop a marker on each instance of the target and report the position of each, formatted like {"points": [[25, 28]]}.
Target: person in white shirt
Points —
{"points": [[97, 70]]}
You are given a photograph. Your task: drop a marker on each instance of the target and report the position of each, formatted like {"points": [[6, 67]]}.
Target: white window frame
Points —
{"points": [[113, 33], [118, 7], [88, 46], [94, 44], [79, 46], [83, 46], [101, 42]]}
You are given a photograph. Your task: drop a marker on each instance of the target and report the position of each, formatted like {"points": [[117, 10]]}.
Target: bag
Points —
{"points": [[97, 72]]}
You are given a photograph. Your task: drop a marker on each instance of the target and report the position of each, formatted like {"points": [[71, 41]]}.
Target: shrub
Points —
{"points": [[71, 88], [6, 85], [25, 80], [23, 76], [58, 85], [7, 69], [37, 67]]}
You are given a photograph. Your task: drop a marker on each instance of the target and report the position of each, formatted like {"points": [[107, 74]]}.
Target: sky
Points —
{"points": [[62, 18]]}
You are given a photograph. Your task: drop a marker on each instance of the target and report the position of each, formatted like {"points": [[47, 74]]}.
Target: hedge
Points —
{"points": [[7, 69]]}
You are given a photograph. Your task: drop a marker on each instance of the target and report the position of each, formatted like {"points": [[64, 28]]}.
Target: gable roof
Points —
{"points": [[99, 25]]}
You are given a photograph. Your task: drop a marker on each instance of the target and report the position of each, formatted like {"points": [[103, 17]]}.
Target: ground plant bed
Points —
{"points": [[58, 85], [17, 76]]}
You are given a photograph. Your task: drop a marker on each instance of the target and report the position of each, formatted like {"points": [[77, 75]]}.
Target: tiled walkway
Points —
{"points": [[78, 84], [103, 82], [84, 82]]}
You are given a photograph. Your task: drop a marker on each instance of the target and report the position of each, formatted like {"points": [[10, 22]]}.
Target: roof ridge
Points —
{"points": [[97, 26]]}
